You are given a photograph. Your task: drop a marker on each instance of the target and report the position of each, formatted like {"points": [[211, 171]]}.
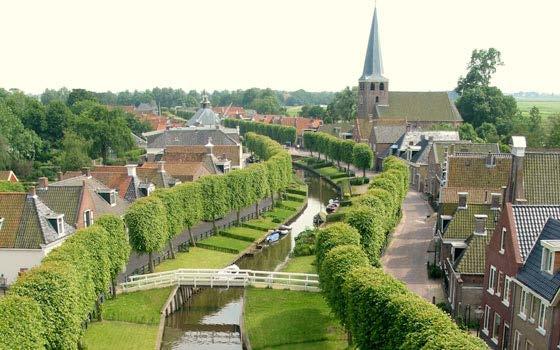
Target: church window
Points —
{"points": [[376, 99], [382, 86], [372, 87], [362, 86]]}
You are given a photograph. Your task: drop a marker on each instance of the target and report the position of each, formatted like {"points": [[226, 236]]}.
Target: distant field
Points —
{"points": [[547, 108], [293, 111]]}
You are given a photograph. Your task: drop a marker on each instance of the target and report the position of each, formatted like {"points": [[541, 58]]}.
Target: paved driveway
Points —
{"points": [[407, 253]]}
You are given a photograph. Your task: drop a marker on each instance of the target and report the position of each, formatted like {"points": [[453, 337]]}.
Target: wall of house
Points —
{"points": [[13, 260], [86, 203], [505, 264], [555, 336], [528, 328]]}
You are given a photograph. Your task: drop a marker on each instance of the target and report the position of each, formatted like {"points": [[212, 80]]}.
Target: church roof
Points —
{"points": [[420, 106], [205, 116], [373, 65]]}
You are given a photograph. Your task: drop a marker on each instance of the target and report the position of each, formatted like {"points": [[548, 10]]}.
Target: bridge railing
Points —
{"points": [[215, 278]]}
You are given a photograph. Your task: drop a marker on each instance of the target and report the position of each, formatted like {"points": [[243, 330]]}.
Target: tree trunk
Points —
{"points": [[364, 172], [348, 168], [98, 310], [257, 209], [151, 262], [350, 340], [272, 199], [214, 228], [238, 217], [171, 251], [114, 286], [193, 242]]}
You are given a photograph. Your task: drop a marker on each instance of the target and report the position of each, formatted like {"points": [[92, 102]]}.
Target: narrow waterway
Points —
{"points": [[210, 320]]}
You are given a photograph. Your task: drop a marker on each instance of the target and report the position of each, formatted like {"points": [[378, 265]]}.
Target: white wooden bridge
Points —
{"points": [[217, 278]]}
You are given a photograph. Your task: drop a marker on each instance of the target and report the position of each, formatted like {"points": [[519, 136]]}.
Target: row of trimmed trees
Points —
{"points": [[280, 133], [378, 311], [48, 306], [347, 151]]}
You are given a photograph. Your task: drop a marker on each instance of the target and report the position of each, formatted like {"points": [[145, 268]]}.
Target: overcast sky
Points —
{"points": [[282, 44]]}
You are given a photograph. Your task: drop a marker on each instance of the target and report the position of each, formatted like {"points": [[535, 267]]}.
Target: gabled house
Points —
{"points": [[8, 175], [507, 252], [536, 296], [437, 161], [29, 230]]}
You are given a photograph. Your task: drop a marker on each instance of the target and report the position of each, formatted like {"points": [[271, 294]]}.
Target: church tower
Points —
{"points": [[373, 86]]}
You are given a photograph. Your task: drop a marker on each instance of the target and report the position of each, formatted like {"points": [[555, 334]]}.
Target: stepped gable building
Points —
{"points": [[377, 103]]}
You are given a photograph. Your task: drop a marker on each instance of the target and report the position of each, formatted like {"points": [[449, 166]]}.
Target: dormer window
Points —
{"points": [[463, 200], [490, 161], [146, 189], [496, 201], [480, 224], [109, 196], [551, 251], [1, 223], [57, 223]]}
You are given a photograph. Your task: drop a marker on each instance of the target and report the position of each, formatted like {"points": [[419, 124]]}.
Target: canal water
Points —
{"points": [[210, 320]]}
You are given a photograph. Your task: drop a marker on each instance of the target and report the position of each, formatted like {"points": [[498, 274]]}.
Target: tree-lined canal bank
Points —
{"points": [[211, 319]]}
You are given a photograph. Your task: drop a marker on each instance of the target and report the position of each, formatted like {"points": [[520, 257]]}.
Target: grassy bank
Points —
{"points": [[290, 320], [301, 264], [109, 335]]}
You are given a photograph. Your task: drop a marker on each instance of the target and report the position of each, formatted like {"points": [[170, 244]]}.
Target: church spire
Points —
{"points": [[373, 66]]}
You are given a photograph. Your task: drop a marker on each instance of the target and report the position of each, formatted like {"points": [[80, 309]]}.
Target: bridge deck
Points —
{"points": [[215, 278]]}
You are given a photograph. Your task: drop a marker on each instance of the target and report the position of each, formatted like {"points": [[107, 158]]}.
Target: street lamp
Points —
{"points": [[478, 313]]}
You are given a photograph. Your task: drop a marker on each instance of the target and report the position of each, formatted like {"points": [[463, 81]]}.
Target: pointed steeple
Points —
{"points": [[373, 66]]}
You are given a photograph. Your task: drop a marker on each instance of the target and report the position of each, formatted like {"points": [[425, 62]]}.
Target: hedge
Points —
{"points": [[21, 323], [279, 133], [332, 236], [378, 311]]}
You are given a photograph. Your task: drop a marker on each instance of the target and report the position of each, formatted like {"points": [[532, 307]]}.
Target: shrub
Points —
{"points": [[54, 286], [334, 269], [371, 226], [305, 243], [332, 236], [119, 249], [22, 324], [357, 181]]}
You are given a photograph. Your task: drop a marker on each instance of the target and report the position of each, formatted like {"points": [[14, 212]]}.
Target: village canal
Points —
{"points": [[211, 319]]}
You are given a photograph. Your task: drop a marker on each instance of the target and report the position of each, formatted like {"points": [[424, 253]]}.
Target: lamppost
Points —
{"points": [[478, 313]]}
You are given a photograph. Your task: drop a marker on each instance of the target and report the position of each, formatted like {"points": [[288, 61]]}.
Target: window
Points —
{"points": [[372, 87], [462, 200], [88, 218], [534, 309], [109, 196], [496, 328], [529, 345], [503, 241], [542, 319], [362, 86], [505, 338], [381, 86], [500, 283], [523, 304], [376, 99], [547, 262], [1, 222], [492, 280], [57, 223], [486, 319], [507, 286], [517, 341]]}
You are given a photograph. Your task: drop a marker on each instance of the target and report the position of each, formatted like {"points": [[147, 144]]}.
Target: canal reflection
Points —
{"points": [[210, 320]]}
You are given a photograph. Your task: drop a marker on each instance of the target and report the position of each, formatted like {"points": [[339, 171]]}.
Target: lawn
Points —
{"points": [[196, 258], [263, 223], [301, 264], [293, 111], [293, 320], [546, 108], [137, 307], [226, 242], [108, 335], [291, 204], [244, 233], [332, 173], [279, 214]]}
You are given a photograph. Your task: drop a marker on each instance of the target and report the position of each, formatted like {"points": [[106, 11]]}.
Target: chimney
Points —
{"points": [[480, 224], [209, 147], [463, 200], [161, 166], [59, 175], [31, 192], [516, 191], [86, 171], [131, 169], [490, 160], [43, 183], [496, 201]]}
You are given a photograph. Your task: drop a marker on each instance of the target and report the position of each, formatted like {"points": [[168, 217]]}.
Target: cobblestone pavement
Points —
{"points": [[407, 253]]}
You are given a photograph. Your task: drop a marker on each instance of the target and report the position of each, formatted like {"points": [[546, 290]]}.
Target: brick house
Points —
{"points": [[8, 175]]}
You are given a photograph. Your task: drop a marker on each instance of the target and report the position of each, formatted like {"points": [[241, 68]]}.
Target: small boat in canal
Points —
{"points": [[272, 238]]}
